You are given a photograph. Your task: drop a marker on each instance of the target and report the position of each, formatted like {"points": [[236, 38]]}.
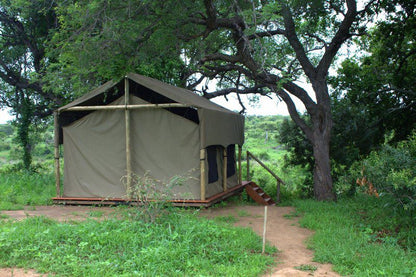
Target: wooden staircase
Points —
{"points": [[257, 194]]}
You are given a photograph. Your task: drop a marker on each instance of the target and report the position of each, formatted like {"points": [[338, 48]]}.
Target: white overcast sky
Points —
{"points": [[266, 106]]}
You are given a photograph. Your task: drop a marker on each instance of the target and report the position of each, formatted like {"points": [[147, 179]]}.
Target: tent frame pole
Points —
{"points": [[128, 143], [56, 156], [224, 169], [202, 155], [127, 107], [240, 181]]}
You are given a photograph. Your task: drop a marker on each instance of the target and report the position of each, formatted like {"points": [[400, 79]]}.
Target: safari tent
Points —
{"points": [[141, 126]]}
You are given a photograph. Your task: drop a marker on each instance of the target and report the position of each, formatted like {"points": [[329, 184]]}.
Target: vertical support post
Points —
{"points": [[57, 164], [128, 144], [240, 181], [224, 169], [202, 155], [264, 229], [248, 166]]}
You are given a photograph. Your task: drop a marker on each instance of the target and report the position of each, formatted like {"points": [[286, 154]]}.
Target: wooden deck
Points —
{"points": [[179, 202]]}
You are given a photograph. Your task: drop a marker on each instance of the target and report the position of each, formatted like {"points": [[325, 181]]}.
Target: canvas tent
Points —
{"points": [[142, 126]]}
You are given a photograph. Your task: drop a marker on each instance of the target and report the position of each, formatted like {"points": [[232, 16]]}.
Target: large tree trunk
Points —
{"points": [[323, 188], [320, 139]]}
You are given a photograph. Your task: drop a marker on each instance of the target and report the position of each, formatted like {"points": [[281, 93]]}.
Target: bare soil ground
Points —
{"points": [[282, 232]]}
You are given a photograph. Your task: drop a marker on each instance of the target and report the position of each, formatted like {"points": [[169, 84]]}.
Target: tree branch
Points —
{"points": [[266, 34], [339, 38], [252, 90], [295, 43]]}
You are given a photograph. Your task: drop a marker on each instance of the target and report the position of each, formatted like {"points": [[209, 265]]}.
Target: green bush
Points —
{"points": [[391, 171]]}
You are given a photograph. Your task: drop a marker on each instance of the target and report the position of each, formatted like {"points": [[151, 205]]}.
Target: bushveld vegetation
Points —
{"points": [[368, 231], [177, 244]]}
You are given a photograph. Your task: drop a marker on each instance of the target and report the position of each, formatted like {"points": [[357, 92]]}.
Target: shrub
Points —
{"points": [[391, 171]]}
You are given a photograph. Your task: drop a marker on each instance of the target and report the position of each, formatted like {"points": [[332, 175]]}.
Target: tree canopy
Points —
{"points": [[64, 48]]}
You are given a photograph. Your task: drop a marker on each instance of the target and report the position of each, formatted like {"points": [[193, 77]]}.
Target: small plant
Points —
{"points": [[151, 196], [243, 213], [4, 216], [307, 267], [291, 215], [228, 219], [95, 213]]}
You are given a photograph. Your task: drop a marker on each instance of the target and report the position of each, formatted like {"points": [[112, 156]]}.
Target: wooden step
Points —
{"points": [[258, 195]]}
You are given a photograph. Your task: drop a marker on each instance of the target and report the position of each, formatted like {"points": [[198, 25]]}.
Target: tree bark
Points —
{"points": [[321, 118], [323, 187]]}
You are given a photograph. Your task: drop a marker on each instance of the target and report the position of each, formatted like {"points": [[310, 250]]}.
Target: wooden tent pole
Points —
{"points": [[128, 144], [202, 154], [224, 169], [127, 106], [240, 181], [57, 164]]}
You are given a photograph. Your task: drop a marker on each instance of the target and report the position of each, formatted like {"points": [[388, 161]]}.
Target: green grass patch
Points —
{"points": [[243, 213], [292, 215], [347, 236], [23, 188], [179, 244], [307, 267]]}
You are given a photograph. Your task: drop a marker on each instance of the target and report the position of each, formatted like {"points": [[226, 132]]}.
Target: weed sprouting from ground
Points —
{"points": [[151, 196], [307, 267]]}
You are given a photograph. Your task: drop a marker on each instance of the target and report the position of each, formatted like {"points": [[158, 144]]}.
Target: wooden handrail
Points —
{"points": [[278, 180]]}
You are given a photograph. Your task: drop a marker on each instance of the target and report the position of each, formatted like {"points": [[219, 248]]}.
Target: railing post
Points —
{"points": [[248, 166], [278, 191]]}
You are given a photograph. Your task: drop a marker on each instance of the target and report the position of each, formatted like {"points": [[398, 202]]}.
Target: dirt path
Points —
{"points": [[282, 232]]}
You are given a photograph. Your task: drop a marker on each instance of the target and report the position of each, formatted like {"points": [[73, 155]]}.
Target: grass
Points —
{"points": [[22, 188], [347, 236], [179, 244], [307, 267]]}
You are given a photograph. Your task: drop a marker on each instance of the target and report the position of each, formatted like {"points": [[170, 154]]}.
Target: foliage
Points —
{"points": [[391, 171], [260, 48], [41, 139], [18, 189], [375, 91], [178, 244], [151, 196], [260, 139], [25, 26], [104, 40], [360, 237]]}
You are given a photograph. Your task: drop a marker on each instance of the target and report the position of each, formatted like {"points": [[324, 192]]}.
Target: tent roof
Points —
{"points": [[218, 126], [176, 94]]}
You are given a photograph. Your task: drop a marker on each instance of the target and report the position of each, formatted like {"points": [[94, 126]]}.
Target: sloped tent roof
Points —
{"points": [[218, 126]]}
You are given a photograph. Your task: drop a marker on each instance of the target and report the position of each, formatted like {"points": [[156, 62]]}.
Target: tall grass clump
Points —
{"points": [[176, 244], [355, 235], [21, 188]]}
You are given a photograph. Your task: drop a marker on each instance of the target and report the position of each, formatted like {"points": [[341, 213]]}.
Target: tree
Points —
{"points": [[266, 47], [383, 82], [373, 95], [24, 28], [248, 47]]}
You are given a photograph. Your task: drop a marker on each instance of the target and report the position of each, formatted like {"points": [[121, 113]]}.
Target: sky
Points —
{"points": [[265, 106]]}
